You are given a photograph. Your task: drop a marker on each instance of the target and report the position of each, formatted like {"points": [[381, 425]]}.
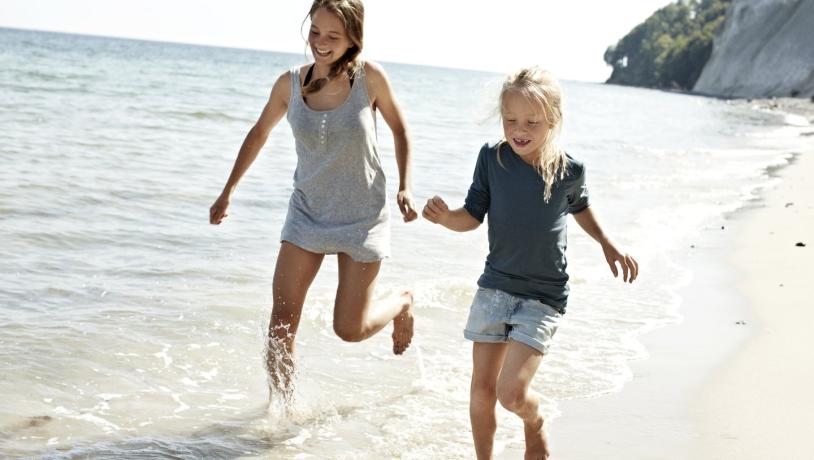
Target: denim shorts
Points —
{"points": [[496, 316]]}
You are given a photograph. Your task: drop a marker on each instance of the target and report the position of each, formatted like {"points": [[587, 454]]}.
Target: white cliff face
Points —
{"points": [[765, 48]]}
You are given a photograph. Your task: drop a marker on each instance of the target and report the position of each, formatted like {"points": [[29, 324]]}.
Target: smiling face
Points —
{"points": [[327, 38], [524, 125]]}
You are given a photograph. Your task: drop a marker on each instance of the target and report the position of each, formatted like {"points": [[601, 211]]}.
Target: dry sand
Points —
{"points": [[759, 404]]}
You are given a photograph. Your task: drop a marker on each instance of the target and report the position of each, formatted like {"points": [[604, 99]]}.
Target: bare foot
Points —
{"points": [[403, 325], [280, 368], [536, 441]]}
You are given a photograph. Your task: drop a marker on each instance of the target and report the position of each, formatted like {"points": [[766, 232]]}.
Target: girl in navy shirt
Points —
{"points": [[527, 185]]}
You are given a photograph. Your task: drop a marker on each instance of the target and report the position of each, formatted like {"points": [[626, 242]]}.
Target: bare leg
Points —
{"points": [[355, 319], [518, 369], [487, 359], [295, 270]]}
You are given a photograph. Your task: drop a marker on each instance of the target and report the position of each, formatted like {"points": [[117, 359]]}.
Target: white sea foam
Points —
{"points": [[139, 328]]}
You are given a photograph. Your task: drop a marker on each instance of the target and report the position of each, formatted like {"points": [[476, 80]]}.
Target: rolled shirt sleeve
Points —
{"points": [[478, 198], [577, 196]]}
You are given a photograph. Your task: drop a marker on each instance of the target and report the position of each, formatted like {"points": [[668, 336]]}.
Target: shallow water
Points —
{"points": [[131, 327]]}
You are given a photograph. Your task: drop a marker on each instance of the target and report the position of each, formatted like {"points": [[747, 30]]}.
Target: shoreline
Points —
{"points": [[688, 398], [757, 405], [650, 418]]}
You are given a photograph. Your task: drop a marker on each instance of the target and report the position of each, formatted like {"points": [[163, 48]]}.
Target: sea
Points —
{"points": [[132, 328]]}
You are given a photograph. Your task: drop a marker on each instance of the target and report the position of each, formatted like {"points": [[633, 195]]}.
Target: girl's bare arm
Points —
{"points": [[272, 113], [459, 220], [630, 268]]}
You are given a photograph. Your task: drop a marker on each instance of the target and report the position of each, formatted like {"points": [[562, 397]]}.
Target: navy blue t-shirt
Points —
{"points": [[527, 236]]}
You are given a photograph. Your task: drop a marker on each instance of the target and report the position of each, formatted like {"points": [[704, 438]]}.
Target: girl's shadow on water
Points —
{"points": [[256, 433], [253, 433], [250, 434]]}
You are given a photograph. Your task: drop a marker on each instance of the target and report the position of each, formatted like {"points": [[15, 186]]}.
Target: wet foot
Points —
{"points": [[536, 441], [281, 371], [281, 402], [403, 325]]}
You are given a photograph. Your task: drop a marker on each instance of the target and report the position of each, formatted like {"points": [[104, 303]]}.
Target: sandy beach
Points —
{"points": [[758, 405], [732, 379]]}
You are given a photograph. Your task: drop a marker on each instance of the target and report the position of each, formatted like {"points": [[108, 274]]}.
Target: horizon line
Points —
{"points": [[241, 48]]}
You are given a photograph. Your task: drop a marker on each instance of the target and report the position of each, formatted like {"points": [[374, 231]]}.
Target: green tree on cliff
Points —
{"points": [[670, 48]]}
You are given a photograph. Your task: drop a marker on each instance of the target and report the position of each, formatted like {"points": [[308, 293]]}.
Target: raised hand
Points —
{"points": [[435, 210]]}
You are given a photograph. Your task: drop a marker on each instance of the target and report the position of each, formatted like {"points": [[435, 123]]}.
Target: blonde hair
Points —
{"points": [[352, 15], [540, 87]]}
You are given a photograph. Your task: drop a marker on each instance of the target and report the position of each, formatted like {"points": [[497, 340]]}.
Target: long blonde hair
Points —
{"points": [[540, 87], [352, 15]]}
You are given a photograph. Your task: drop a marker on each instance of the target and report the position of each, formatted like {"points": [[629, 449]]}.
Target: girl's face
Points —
{"points": [[327, 37], [524, 125]]}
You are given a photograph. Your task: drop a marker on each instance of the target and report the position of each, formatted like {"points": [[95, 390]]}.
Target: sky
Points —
{"points": [[568, 37]]}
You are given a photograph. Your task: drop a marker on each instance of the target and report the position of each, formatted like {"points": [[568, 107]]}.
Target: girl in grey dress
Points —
{"points": [[339, 204]]}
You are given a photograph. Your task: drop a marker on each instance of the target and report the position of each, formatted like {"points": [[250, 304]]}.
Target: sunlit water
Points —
{"points": [[131, 327]]}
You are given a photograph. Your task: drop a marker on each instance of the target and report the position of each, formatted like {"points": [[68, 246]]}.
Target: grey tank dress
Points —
{"points": [[339, 202]]}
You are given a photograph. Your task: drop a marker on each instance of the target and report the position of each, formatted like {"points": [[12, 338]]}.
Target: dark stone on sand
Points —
{"points": [[692, 246], [740, 323], [800, 244], [789, 204], [722, 227]]}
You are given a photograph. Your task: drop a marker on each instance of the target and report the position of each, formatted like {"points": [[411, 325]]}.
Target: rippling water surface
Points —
{"points": [[131, 327]]}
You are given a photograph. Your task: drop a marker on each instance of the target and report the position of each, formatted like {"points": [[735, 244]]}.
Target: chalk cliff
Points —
{"points": [[764, 49]]}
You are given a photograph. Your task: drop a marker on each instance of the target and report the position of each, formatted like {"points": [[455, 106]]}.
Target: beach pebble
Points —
{"points": [[789, 204], [740, 323], [800, 244]]}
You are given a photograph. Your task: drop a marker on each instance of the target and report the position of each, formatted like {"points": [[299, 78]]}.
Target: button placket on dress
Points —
{"points": [[323, 130]]}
